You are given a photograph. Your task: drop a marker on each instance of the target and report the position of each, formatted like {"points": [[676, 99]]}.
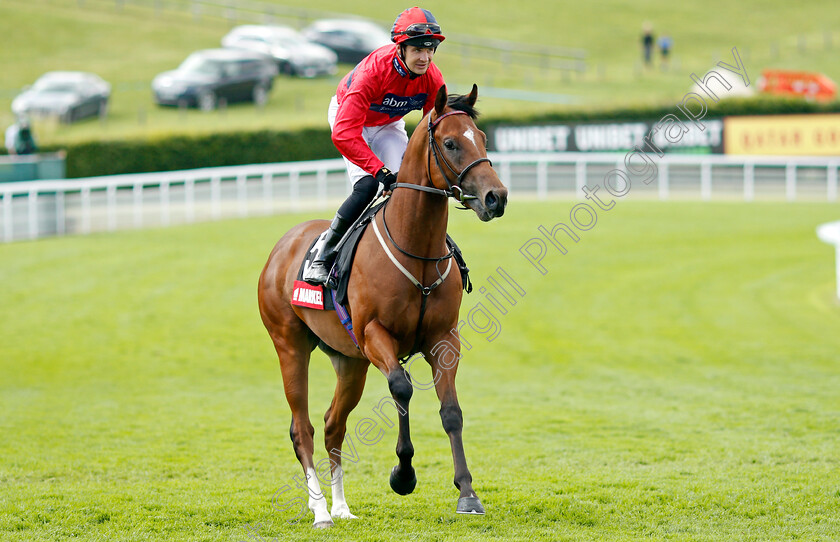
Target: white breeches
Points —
{"points": [[387, 142]]}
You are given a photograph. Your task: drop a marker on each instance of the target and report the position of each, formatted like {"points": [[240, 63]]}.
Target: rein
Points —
{"points": [[425, 291], [456, 192]]}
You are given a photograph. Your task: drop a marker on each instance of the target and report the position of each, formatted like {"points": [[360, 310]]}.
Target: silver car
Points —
{"points": [[68, 95], [294, 54], [351, 39]]}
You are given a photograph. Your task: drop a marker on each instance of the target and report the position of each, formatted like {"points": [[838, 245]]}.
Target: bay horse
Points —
{"points": [[392, 316]]}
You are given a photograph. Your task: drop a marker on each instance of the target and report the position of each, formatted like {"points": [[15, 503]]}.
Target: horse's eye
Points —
{"points": [[449, 144]]}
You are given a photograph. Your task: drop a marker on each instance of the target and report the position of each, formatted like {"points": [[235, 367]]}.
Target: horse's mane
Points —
{"points": [[460, 103]]}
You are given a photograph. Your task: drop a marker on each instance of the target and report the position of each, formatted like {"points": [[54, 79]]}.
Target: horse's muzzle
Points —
{"points": [[495, 201]]}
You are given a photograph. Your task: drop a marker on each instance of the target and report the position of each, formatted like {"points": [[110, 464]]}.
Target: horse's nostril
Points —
{"points": [[490, 201]]}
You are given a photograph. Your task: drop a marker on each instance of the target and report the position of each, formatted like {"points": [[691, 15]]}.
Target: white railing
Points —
{"points": [[689, 176], [34, 209]]}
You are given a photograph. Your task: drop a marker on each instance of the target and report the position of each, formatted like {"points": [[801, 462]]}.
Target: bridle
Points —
{"points": [[455, 191], [454, 188]]}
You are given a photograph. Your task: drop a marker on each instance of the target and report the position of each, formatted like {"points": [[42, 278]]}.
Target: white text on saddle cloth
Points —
{"points": [[307, 295]]}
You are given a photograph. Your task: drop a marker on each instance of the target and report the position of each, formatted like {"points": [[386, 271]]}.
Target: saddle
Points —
{"points": [[333, 296]]}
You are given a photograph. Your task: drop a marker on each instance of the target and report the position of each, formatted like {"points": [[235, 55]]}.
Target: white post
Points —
{"points": [[215, 197], [111, 206], [294, 190], [622, 167], [268, 192], [580, 176], [506, 175], [8, 234], [790, 182], [706, 181], [321, 179], [749, 181], [189, 199], [542, 179], [33, 214], [85, 210], [242, 194], [830, 233], [60, 217], [137, 207], [164, 203], [664, 181]]}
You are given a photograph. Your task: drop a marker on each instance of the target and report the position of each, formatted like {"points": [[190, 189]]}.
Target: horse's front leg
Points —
{"points": [[444, 366], [380, 348]]}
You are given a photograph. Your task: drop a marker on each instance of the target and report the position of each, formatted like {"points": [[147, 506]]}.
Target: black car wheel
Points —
{"points": [[286, 68]]}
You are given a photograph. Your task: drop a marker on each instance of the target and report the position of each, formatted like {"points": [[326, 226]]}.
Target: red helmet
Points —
{"points": [[416, 23]]}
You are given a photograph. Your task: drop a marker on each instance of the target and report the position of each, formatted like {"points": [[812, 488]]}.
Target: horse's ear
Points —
{"points": [[440, 100], [473, 95]]}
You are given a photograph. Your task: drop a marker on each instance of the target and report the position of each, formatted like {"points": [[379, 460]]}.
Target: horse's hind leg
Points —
{"points": [[350, 375], [294, 343]]}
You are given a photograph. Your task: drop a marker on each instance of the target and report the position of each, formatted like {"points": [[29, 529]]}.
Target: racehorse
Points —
{"points": [[393, 316]]}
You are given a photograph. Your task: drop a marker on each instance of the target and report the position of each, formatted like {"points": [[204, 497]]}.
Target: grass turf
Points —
{"points": [[673, 377]]}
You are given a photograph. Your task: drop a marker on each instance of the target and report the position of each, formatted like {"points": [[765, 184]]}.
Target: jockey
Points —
{"points": [[366, 118]]}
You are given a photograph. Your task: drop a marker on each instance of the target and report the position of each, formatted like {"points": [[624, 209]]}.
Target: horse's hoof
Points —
{"points": [[323, 525], [342, 512], [470, 505], [401, 484]]}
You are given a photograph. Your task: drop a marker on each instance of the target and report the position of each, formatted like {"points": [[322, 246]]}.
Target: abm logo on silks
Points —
{"points": [[399, 106]]}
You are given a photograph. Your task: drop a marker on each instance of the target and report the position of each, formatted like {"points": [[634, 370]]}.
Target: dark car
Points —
{"points": [[294, 54], [351, 39], [208, 77], [70, 96]]}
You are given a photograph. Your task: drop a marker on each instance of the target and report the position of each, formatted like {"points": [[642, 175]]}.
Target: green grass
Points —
{"points": [[129, 46], [673, 377]]}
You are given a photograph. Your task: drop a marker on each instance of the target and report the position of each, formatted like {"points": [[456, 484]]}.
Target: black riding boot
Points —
{"points": [[319, 271], [363, 193]]}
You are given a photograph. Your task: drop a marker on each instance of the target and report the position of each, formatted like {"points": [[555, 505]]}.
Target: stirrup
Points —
{"points": [[318, 273]]}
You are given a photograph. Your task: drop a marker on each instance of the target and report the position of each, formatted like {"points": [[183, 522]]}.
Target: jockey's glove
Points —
{"points": [[387, 178]]}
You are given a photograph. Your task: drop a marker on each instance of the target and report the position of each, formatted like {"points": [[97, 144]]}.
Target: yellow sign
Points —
{"points": [[812, 135]]}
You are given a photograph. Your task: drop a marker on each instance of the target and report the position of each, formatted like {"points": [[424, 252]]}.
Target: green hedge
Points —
{"points": [[235, 148], [189, 152]]}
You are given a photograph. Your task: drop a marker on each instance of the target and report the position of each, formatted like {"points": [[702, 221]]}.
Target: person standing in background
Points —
{"points": [[19, 138], [647, 42]]}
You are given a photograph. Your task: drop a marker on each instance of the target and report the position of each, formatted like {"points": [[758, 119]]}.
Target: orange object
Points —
{"points": [[811, 85]]}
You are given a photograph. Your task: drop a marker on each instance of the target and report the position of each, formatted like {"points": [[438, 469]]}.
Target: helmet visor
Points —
{"points": [[416, 30]]}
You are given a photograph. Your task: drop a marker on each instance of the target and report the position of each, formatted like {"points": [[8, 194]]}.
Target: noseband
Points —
{"points": [[455, 191]]}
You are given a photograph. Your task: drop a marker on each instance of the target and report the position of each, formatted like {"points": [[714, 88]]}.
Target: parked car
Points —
{"points": [[351, 39], [209, 76], [294, 54], [68, 95]]}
